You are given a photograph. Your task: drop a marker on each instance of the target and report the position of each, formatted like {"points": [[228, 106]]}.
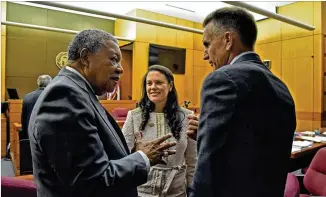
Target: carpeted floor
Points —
{"points": [[7, 168]]}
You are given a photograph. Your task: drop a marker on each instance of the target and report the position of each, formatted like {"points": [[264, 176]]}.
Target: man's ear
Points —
{"points": [[228, 38], [84, 56]]}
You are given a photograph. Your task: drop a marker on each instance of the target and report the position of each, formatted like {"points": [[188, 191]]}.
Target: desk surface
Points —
{"points": [[316, 146]]}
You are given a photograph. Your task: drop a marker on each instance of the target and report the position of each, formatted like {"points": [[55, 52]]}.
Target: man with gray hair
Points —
{"points": [[29, 101], [247, 115], [77, 147]]}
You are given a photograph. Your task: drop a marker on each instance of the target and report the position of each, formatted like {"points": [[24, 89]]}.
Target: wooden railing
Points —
{"points": [[15, 108]]}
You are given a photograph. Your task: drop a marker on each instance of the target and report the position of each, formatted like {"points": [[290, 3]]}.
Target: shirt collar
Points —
{"points": [[240, 55], [78, 73]]}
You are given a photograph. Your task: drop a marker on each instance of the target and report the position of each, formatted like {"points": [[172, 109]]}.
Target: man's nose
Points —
{"points": [[119, 69]]}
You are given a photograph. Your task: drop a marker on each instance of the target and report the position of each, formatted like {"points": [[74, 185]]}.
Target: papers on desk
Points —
{"points": [[295, 149], [299, 145], [321, 138], [314, 139], [308, 133], [302, 143]]}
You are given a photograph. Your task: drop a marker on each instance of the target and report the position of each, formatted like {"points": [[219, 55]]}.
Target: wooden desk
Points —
{"points": [[313, 149], [26, 177], [301, 159], [120, 123], [14, 147], [3, 135]]}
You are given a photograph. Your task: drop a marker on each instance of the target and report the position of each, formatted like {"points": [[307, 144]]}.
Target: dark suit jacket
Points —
{"points": [[246, 127], [29, 101], [77, 148]]}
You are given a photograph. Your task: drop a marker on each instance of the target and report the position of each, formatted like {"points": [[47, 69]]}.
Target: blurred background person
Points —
{"points": [[29, 101]]}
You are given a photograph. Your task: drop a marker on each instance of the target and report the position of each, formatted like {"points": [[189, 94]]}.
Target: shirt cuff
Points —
{"points": [[148, 165]]}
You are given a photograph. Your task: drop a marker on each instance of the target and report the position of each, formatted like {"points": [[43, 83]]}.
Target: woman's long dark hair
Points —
{"points": [[171, 109]]}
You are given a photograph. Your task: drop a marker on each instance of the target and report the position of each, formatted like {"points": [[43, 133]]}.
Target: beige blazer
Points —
{"points": [[180, 167]]}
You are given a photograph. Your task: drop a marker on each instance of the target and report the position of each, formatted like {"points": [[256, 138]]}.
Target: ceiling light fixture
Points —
{"points": [[180, 8]]}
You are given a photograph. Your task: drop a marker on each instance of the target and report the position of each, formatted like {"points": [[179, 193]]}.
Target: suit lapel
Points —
{"points": [[104, 116], [83, 85], [118, 130]]}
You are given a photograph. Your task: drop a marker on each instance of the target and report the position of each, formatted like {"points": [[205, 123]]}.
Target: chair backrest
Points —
{"points": [[14, 187], [120, 113], [26, 163], [315, 178], [292, 186]]}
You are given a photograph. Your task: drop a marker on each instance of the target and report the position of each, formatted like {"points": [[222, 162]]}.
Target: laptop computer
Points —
{"points": [[13, 94]]}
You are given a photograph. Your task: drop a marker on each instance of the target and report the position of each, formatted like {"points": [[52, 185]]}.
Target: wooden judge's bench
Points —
{"points": [[15, 109]]}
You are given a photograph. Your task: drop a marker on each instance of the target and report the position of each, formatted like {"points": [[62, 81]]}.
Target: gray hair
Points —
{"points": [[236, 19], [91, 39], [43, 81]]}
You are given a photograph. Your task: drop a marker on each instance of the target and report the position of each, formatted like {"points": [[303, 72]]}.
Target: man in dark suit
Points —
{"points": [[29, 101], [247, 115], [78, 149]]}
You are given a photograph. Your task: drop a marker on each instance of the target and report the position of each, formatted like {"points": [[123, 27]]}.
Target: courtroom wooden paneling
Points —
{"points": [[30, 52], [266, 34], [139, 67], [200, 73], [323, 5], [298, 47], [298, 75], [189, 76], [126, 77], [301, 11], [198, 38], [198, 58], [318, 70], [166, 36], [145, 32], [184, 39], [3, 49], [317, 14], [124, 28], [271, 51]]}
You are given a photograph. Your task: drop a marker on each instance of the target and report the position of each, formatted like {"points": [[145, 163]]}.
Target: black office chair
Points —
{"points": [[26, 164], [5, 111]]}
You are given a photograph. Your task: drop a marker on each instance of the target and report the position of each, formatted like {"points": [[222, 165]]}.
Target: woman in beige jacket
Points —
{"points": [[158, 114]]}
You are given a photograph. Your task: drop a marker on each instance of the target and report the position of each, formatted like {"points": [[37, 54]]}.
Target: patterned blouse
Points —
{"points": [[169, 180]]}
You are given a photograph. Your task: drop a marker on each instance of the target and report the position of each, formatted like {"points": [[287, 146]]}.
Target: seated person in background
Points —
{"points": [[158, 114], [29, 101]]}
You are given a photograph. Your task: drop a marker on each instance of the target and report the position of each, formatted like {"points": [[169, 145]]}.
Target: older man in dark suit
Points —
{"points": [[78, 149], [247, 115], [29, 101]]}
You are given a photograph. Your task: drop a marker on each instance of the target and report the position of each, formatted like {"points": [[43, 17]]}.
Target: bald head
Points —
{"points": [[43, 81]]}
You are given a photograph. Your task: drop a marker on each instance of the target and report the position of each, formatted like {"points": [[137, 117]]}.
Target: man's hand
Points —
{"points": [[193, 126], [155, 150]]}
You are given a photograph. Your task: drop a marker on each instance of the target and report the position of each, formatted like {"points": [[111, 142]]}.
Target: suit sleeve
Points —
{"points": [[128, 131], [66, 132], [218, 98], [191, 159]]}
